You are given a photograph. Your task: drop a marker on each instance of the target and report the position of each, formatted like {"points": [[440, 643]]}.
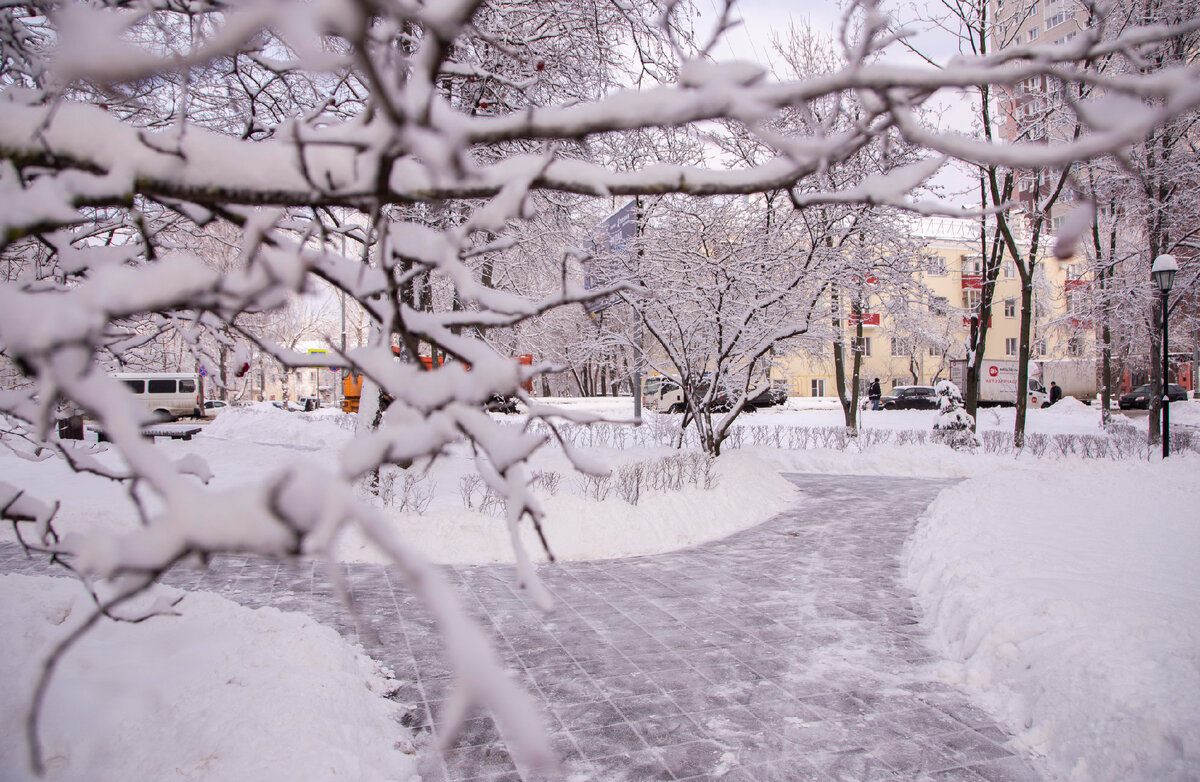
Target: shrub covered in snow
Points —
{"points": [[953, 425]]}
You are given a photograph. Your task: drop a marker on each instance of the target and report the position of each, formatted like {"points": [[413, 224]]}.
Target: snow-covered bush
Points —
{"points": [[546, 481], [953, 425], [408, 490]]}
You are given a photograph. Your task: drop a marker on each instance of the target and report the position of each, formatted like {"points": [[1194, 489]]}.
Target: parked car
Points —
{"points": [[910, 398], [768, 397], [214, 406], [1139, 398], [667, 397]]}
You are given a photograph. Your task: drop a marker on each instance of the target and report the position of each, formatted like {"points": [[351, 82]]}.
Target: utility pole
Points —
{"points": [[339, 390], [637, 324]]}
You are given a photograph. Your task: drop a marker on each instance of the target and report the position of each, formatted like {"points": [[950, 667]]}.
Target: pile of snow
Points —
{"points": [[930, 460], [1070, 407], [1067, 598], [219, 693], [748, 491], [1186, 413], [266, 424]]}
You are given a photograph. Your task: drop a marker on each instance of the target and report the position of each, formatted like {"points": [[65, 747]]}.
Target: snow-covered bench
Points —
{"points": [[160, 430]]}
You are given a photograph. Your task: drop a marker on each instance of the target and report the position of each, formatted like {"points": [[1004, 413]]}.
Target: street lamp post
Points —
{"points": [[1163, 274]]}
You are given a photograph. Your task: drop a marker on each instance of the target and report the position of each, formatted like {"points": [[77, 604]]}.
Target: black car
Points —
{"points": [[911, 398], [1139, 398]]}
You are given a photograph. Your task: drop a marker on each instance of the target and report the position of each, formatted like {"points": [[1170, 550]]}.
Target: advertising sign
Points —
{"points": [[611, 259]]}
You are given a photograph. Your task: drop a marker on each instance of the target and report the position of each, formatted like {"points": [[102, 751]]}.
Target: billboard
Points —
{"points": [[612, 260]]}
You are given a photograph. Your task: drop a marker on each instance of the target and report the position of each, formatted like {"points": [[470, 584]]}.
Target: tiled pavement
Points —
{"points": [[786, 652]]}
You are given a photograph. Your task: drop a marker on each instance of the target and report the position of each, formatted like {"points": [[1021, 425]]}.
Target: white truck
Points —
{"points": [[1075, 376], [998, 382]]}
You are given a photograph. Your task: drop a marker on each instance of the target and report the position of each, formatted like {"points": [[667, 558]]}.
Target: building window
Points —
{"points": [[1010, 270], [1010, 308], [1058, 19], [866, 346], [939, 305], [1033, 34], [972, 265], [1010, 346], [933, 351], [1075, 347], [937, 266], [818, 387], [1038, 348], [970, 299]]}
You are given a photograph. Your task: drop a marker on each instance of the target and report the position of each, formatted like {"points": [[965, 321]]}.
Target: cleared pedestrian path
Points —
{"points": [[789, 651]]}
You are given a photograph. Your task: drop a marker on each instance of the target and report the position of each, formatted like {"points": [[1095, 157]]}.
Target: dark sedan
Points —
{"points": [[1139, 398], [911, 398]]}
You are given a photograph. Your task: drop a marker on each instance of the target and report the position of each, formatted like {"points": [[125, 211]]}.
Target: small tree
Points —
{"points": [[954, 425]]}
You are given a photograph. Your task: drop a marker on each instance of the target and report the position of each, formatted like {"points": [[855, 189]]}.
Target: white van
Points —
{"points": [[661, 393], [166, 395]]}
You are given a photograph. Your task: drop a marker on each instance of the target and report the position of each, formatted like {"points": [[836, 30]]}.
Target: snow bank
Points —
{"points": [[748, 492], [930, 460], [1186, 413], [1067, 598], [1070, 407], [219, 693], [266, 424]]}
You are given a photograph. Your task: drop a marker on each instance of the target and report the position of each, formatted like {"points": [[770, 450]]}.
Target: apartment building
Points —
{"points": [[915, 347]]}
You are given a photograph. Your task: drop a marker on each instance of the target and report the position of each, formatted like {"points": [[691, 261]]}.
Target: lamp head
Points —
{"points": [[1163, 272]]}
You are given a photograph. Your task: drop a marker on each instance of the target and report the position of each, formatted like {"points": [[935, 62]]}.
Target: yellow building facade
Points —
{"points": [[916, 347]]}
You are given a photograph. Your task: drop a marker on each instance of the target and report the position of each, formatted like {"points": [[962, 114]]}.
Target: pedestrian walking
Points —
{"points": [[874, 393], [1055, 392]]}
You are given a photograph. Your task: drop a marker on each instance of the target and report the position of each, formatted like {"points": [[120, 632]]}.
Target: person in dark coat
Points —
{"points": [[874, 393], [1055, 392]]}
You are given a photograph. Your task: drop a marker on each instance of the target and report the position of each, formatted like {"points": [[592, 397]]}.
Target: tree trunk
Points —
{"points": [[222, 370], [1023, 356], [859, 346], [993, 258], [839, 361]]}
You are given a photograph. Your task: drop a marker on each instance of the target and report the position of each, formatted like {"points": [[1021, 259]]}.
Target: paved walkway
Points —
{"points": [[785, 652]]}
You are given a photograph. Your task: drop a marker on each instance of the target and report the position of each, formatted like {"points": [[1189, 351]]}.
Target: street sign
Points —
{"points": [[610, 262], [203, 371]]}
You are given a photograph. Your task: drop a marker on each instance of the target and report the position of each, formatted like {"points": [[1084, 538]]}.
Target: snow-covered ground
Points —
{"points": [[1068, 600], [220, 692], [1065, 595]]}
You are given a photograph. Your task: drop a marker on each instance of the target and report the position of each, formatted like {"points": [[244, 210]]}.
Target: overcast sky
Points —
{"points": [[764, 20]]}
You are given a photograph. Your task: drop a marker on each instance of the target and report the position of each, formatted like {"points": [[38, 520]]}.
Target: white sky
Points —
{"points": [[764, 20]]}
